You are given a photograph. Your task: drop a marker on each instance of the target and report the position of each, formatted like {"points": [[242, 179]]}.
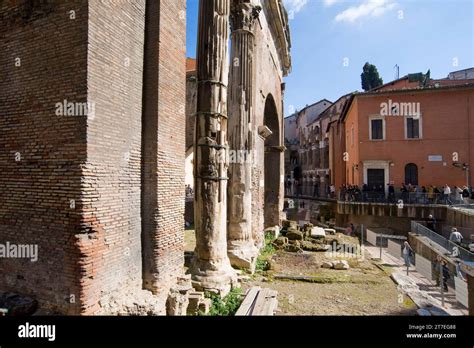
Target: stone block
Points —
{"points": [[287, 224], [341, 264], [274, 232], [281, 241], [331, 231], [317, 232], [293, 248], [327, 264], [294, 235], [177, 303], [309, 246]]}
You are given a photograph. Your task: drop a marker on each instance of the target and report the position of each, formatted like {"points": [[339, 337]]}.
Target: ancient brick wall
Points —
{"points": [[100, 194], [112, 175], [164, 132], [41, 153]]}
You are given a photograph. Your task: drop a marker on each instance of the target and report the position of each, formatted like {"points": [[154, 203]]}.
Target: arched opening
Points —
{"points": [[273, 160], [411, 174]]}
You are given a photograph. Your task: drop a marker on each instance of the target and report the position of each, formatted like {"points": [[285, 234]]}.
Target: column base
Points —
{"points": [[243, 254], [209, 276]]}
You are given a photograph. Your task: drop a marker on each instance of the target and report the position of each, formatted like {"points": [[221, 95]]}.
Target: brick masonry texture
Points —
{"points": [[112, 174], [35, 192], [95, 246], [164, 130]]}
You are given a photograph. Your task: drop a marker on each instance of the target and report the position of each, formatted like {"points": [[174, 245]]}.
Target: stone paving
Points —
{"points": [[451, 305]]}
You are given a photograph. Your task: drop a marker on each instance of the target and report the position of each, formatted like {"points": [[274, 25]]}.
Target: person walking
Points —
{"points": [[447, 194], [459, 273], [455, 236], [457, 195], [407, 252], [436, 267], [446, 274]]}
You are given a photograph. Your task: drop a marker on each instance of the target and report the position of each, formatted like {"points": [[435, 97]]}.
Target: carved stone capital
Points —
{"points": [[243, 14]]}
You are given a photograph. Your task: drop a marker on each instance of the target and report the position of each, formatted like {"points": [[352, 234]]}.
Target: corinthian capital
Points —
{"points": [[243, 14]]}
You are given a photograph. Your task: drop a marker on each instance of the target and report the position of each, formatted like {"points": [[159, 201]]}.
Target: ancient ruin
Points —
{"points": [[241, 246], [211, 268], [99, 187], [253, 196]]}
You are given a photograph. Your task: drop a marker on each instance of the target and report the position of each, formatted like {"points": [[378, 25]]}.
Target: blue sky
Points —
{"points": [[332, 39]]}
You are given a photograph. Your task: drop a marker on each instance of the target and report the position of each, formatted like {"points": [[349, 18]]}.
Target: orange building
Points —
{"points": [[402, 132]]}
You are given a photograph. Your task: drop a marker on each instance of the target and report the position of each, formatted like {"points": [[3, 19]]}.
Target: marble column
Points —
{"points": [[210, 268], [241, 246]]}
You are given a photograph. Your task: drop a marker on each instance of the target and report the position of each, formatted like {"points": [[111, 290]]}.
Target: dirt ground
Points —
{"points": [[364, 289]]}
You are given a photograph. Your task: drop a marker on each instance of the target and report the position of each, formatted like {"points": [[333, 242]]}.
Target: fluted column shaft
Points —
{"points": [[241, 247], [211, 268]]}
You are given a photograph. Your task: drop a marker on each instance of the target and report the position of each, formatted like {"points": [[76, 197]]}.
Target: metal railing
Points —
{"points": [[418, 228], [405, 197]]}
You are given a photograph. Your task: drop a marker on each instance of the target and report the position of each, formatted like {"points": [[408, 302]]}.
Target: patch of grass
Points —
{"points": [[326, 279], [226, 306], [264, 259]]}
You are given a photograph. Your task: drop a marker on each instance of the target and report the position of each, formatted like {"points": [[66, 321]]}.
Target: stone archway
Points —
{"points": [[272, 164]]}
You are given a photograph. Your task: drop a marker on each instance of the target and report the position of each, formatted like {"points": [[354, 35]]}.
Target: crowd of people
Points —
{"points": [[407, 193]]}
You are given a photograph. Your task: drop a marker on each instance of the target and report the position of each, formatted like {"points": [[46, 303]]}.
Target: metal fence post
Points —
{"points": [[441, 282], [380, 241]]}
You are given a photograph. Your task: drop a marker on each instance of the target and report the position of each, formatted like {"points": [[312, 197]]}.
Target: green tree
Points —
{"points": [[370, 77]]}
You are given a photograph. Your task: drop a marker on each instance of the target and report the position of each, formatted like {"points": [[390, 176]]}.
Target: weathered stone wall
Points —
{"points": [[191, 93], [111, 185], [385, 215], [37, 41], [460, 218], [390, 216], [164, 157], [73, 185]]}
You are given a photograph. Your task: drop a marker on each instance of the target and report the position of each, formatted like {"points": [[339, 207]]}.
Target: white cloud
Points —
{"points": [[328, 3], [369, 8], [295, 6]]}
